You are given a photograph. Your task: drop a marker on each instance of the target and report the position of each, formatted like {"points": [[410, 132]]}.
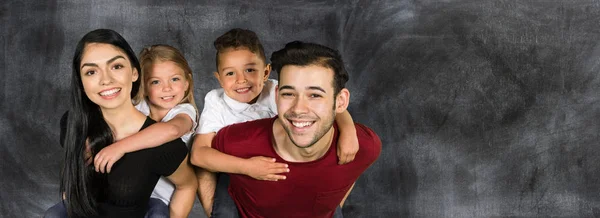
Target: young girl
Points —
{"points": [[104, 80], [166, 95]]}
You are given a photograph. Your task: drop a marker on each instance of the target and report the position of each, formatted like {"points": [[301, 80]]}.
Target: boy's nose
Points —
{"points": [[241, 79]]}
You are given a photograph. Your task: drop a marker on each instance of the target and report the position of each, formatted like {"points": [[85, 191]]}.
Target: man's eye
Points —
{"points": [[315, 96]]}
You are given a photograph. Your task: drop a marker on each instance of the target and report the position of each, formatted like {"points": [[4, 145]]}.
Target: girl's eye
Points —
{"points": [[175, 79], [229, 74], [153, 82]]}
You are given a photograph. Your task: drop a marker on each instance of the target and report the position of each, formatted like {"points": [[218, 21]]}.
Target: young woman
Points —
{"points": [[104, 80]]}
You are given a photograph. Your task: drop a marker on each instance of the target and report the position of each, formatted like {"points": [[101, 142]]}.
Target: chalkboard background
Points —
{"points": [[484, 107]]}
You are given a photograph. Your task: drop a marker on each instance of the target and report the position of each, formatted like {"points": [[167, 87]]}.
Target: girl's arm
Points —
{"points": [[152, 136], [184, 195], [348, 141]]}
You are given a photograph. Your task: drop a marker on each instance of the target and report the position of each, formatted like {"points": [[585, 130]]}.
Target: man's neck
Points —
{"points": [[290, 152]]}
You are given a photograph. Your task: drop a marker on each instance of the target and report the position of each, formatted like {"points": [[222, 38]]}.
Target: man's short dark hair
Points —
{"points": [[239, 39], [304, 54]]}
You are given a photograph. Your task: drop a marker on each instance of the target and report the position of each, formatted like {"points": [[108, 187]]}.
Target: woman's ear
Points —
{"points": [[135, 75], [342, 100]]}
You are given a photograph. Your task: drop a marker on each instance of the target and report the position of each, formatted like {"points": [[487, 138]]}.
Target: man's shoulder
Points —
{"points": [[253, 125], [368, 141]]}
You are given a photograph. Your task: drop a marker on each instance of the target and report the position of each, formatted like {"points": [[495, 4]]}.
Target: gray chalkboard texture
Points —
{"points": [[485, 108]]}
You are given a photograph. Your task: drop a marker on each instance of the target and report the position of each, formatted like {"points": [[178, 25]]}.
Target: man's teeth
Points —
{"points": [[301, 124], [110, 92]]}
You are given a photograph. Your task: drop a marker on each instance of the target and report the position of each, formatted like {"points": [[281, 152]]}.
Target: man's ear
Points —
{"points": [[135, 75], [277, 94], [342, 100], [267, 72]]}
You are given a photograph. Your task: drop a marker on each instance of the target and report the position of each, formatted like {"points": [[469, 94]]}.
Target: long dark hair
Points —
{"points": [[80, 184]]}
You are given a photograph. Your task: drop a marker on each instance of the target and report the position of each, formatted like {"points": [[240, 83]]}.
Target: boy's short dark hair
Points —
{"points": [[239, 38], [304, 54]]}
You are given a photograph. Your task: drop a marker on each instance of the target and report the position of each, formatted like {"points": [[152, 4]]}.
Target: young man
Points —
{"points": [[309, 95]]}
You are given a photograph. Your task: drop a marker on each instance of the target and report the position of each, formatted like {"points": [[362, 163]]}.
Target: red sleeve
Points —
{"points": [[219, 139], [369, 141]]}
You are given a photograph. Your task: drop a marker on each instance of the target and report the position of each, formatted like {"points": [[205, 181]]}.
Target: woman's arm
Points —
{"points": [[348, 141], [184, 195], [152, 136]]}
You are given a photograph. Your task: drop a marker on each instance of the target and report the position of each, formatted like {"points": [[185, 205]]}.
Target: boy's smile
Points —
{"points": [[242, 74]]}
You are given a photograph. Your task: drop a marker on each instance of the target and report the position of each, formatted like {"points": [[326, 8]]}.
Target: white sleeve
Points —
{"points": [[184, 108], [211, 119], [272, 96]]}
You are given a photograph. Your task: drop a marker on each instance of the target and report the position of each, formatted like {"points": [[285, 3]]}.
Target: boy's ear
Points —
{"points": [[216, 74], [267, 72], [342, 100]]}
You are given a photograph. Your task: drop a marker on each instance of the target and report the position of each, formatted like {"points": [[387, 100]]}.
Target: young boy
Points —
{"points": [[246, 94]]}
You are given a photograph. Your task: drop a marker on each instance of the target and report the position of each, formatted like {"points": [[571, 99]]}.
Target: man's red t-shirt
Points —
{"points": [[311, 189]]}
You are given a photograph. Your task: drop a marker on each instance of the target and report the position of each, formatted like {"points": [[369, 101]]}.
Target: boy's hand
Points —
{"points": [[265, 168], [107, 157], [347, 148]]}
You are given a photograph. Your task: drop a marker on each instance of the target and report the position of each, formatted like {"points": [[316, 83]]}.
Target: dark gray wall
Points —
{"points": [[484, 107]]}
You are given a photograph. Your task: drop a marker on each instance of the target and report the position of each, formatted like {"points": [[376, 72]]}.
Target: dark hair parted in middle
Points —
{"points": [[239, 39], [305, 54]]}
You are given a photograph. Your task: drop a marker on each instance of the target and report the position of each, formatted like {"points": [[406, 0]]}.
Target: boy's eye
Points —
{"points": [[229, 74], [250, 70]]}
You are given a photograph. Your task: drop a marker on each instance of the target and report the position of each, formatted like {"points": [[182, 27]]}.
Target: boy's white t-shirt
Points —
{"points": [[164, 188], [220, 110]]}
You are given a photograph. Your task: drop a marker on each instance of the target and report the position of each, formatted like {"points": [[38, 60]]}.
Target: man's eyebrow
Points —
{"points": [[316, 88], [108, 62], [286, 87]]}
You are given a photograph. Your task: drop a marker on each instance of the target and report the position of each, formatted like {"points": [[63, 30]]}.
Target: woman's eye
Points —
{"points": [[118, 66], [90, 72]]}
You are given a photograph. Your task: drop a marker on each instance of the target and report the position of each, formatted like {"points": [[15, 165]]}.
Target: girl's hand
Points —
{"points": [[347, 148], [265, 168], [107, 157]]}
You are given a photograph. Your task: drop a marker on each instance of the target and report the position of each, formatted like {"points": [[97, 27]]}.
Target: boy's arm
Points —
{"points": [[262, 168], [348, 141], [152, 136], [346, 196], [184, 194]]}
